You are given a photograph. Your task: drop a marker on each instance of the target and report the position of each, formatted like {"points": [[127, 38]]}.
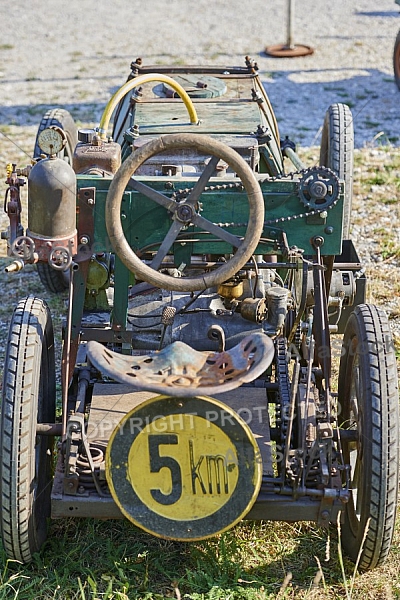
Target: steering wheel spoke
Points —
{"points": [[203, 180], [166, 244], [220, 233], [146, 190], [185, 213]]}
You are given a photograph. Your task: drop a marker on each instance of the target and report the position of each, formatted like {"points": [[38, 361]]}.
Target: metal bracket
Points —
{"points": [[74, 439], [87, 201], [326, 507]]}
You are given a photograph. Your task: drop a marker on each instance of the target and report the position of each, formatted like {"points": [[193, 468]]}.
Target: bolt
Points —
{"points": [[184, 213], [329, 230], [323, 214], [318, 241], [325, 515], [318, 189], [90, 201], [84, 239]]}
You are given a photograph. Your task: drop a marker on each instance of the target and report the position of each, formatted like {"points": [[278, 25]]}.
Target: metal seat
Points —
{"points": [[179, 370]]}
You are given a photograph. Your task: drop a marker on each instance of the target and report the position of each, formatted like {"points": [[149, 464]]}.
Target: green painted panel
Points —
{"points": [[147, 223]]}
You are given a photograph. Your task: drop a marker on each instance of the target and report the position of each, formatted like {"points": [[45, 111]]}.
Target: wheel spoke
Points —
{"points": [[166, 244], [146, 190], [355, 391], [356, 481], [207, 225], [202, 181]]}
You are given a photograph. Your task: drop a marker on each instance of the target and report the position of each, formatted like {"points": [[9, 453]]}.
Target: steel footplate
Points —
{"points": [[179, 370]]}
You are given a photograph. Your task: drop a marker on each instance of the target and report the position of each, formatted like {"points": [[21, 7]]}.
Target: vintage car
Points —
{"points": [[212, 283]]}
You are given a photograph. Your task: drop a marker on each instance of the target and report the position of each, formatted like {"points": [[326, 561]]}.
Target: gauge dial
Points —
{"points": [[52, 140]]}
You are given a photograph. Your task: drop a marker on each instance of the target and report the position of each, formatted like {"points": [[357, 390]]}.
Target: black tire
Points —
{"points": [[337, 153], [368, 396], [26, 465], [396, 60], [52, 280], [63, 119]]}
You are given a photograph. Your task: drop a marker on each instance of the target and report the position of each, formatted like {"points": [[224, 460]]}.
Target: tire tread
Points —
{"points": [[28, 328]]}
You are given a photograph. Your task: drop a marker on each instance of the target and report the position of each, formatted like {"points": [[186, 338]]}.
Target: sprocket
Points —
{"points": [[318, 188]]}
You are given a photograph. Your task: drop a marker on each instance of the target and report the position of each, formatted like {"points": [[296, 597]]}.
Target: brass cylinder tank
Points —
{"points": [[52, 199]]}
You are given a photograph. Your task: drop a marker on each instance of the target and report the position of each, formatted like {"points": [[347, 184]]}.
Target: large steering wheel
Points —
{"points": [[184, 213]]}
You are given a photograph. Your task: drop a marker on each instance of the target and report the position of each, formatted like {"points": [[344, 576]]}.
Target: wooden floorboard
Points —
{"points": [[111, 401]]}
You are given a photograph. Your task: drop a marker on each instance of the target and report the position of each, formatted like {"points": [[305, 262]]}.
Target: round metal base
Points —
{"points": [[285, 51]]}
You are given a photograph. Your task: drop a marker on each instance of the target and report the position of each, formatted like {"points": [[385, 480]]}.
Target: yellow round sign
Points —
{"points": [[193, 467], [183, 468]]}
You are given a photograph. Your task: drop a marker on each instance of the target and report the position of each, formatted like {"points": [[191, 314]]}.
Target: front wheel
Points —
{"points": [[26, 458], [368, 396]]}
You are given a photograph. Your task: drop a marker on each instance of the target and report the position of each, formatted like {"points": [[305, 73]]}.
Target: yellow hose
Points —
{"points": [[129, 85]]}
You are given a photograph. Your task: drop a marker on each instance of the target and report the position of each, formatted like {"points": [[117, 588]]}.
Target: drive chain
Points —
{"points": [[180, 195]]}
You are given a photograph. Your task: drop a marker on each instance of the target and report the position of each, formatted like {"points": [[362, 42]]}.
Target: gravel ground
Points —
{"points": [[76, 53]]}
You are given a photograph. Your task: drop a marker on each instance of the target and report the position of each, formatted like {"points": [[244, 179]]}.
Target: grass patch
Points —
{"points": [[116, 560]]}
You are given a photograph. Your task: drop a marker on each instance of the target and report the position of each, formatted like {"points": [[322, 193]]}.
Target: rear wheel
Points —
{"points": [[57, 281], [26, 458], [396, 60], [368, 396], [337, 153]]}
